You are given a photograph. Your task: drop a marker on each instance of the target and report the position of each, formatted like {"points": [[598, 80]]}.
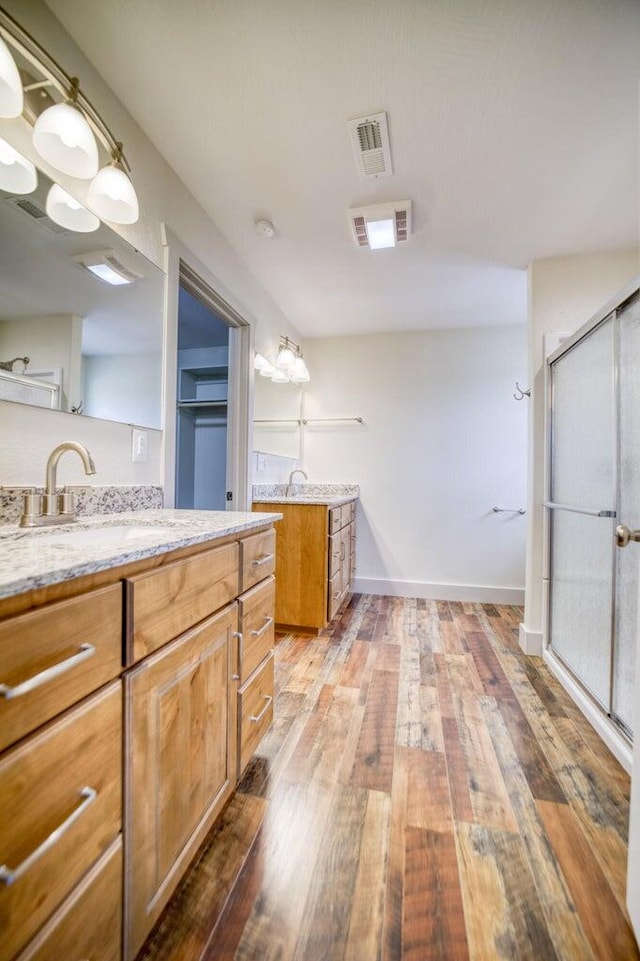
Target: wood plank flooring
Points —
{"points": [[426, 793]]}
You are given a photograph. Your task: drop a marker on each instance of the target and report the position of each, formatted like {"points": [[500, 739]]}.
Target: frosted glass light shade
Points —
{"points": [[66, 211], [299, 373], [17, 174], [112, 197], [11, 95], [286, 358], [279, 377], [64, 139]]}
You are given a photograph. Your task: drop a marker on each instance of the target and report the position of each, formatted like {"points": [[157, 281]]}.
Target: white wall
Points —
{"points": [[443, 441], [163, 199], [25, 449], [124, 387], [48, 342], [564, 292]]}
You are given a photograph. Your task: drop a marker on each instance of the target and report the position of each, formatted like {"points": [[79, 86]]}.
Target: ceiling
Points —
{"points": [[513, 126]]}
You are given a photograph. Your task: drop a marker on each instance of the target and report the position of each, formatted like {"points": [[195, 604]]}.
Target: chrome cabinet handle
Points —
{"points": [[262, 560], [265, 627], [238, 634], [624, 536], [258, 717], [9, 875], [85, 651]]}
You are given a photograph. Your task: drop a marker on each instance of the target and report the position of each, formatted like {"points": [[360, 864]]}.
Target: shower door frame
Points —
{"points": [[611, 728]]}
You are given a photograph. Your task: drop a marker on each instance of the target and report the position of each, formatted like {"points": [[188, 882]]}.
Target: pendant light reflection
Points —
{"points": [[17, 174], [67, 212], [64, 139], [11, 95], [111, 195], [296, 373]]}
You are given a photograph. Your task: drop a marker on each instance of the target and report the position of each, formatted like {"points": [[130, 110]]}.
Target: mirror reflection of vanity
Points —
{"points": [[277, 413], [98, 345]]}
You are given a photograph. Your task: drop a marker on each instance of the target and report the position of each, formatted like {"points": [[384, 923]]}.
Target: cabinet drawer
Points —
{"points": [[335, 519], [257, 611], [258, 558], [89, 923], [168, 601], [335, 594], [65, 779], [66, 651], [335, 553], [255, 713]]}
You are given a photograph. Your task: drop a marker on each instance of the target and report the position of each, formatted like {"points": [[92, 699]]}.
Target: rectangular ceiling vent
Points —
{"points": [[32, 208], [370, 142], [381, 225]]}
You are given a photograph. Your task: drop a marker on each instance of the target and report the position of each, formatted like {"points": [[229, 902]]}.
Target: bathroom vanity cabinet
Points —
{"points": [[315, 557], [130, 704]]}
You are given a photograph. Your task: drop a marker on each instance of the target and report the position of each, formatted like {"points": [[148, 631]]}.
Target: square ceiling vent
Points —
{"points": [[370, 142], [381, 225]]}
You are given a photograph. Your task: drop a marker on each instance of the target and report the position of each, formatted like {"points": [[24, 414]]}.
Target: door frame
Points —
{"points": [[182, 264]]}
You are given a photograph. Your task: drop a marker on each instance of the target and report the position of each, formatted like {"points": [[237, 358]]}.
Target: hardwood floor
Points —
{"points": [[426, 792]]}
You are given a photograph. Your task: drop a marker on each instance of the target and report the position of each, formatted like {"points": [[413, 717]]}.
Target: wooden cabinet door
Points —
{"points": [[181, 761]]}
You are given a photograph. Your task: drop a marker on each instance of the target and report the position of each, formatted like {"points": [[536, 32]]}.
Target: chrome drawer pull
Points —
{"points": [[8, 876], [262, 560], [258, 717], [265, 627], [85, 651]]}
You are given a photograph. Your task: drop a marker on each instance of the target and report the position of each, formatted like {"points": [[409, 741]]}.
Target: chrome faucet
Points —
{"points": [[53, 508], [297, 470]]}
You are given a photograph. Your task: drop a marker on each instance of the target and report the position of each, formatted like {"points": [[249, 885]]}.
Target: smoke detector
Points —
{"points": [[265, 228], [370, 141], [381, 225]]}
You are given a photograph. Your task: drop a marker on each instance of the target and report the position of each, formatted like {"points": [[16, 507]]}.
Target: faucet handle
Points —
{"points": [[32, 504], [66, 502]]}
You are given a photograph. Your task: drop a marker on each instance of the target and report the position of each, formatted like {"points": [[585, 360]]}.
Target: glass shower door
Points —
{"points": [[582, 509], [628, 566]]}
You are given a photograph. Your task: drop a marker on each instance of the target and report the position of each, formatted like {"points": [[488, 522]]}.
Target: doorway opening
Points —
{"points": [[212, 339]]}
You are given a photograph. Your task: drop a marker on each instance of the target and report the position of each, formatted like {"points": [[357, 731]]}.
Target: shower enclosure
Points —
{"points": [[593, 486]]}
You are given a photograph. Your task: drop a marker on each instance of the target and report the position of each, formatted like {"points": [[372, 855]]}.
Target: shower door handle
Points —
{"points": [[624, 535]]}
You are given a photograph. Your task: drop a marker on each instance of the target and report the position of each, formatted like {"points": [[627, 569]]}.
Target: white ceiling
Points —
{"points": [[513, 124]]}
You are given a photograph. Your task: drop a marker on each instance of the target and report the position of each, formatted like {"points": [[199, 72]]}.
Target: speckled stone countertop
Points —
{"points": [[37, 557], [331, 495]]}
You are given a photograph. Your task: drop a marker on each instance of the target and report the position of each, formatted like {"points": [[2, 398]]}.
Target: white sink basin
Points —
{"points": [[124, 535]]}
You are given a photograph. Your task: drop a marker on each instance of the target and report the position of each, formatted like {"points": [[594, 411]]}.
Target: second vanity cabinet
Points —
{"points": [[130, 704], [315, 556]]}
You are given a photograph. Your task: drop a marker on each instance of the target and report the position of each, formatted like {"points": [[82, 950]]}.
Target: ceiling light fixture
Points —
{"points": [[381, 225], [17, 174], [69, 134], [65, 210], [107, 265]]}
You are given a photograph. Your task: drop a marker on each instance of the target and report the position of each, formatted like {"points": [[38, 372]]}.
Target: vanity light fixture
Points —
{"points": [[69, 134], [17, 174], [111, 194], [294, 372], [11, 95], [63, 137], [68, 212]]}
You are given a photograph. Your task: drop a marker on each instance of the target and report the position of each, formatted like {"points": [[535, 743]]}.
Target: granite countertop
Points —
{"points": [[330, 495], [37, 557]]}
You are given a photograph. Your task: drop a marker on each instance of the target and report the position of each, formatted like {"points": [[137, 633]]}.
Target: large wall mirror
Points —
{"points": [[99, 344], [277, 411]]}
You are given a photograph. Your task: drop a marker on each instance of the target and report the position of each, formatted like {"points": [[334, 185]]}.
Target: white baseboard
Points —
{"points": [[610, 734], [439, 592], [530, 641]]}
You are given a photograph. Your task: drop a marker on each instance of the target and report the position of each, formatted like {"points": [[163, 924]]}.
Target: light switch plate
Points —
{"points": [[139, 446]]}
